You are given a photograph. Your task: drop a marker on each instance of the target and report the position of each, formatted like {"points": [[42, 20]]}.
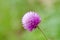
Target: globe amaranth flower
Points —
{"points": [[31, 20]]}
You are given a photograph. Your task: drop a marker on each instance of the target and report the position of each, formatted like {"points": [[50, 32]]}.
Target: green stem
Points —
{"points": [[43, 33]]}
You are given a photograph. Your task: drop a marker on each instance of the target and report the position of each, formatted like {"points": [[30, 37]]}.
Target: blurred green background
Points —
{"points": [[11, 12]]}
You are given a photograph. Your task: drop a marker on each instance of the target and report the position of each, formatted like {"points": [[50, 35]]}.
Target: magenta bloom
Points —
{"points": [[31, 20]]}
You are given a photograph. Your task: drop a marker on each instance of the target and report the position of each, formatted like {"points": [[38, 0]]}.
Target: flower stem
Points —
{"points": [[43, 33]]}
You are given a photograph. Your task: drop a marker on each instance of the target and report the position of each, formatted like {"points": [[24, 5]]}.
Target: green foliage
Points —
{"points": [[11, 12]]}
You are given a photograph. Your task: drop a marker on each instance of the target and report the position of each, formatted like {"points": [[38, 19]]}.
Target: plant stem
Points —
{"points": [[43, 33]]}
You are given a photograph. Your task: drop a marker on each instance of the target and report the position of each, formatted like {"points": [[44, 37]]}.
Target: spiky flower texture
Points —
{"points": [[31, 20]]}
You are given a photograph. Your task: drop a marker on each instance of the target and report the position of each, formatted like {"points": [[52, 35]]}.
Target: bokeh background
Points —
{"points": [[12, 11]]}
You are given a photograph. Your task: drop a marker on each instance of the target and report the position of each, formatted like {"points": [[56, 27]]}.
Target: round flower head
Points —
{"points": [[31, 20]]}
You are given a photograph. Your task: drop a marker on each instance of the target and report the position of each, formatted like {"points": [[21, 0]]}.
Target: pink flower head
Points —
{"points": [[31, 20]]}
